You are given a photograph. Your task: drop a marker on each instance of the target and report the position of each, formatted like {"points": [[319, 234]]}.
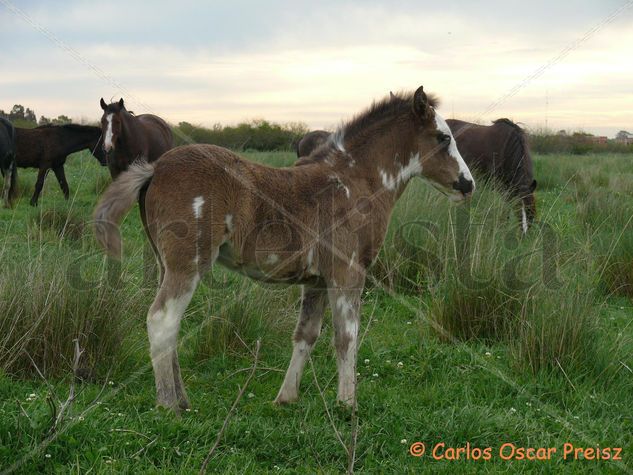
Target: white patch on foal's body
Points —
{"points": [[404, 174], [107, 141], [228, 221], [524, 223], [310, 264], [198, 201], [351, 261], [272, 259]]}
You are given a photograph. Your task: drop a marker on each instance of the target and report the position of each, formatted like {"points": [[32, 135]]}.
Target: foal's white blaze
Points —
{"points": [[198, 201], [524, 223], [107, 141], [442, 126]]}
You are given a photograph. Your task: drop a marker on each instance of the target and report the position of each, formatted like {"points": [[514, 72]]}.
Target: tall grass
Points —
{"points": [[45, 304], [232, 312]]}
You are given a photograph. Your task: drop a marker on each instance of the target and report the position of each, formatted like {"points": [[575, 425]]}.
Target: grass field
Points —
{"points": [[471, 335]]}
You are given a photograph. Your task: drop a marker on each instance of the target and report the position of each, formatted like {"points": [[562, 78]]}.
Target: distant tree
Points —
{"points": [[3, 114], [623, 134], [17, 113], [29, 114], [44, 121], [61, 120]]}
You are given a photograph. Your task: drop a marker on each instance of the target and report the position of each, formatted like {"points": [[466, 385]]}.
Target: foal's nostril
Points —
{"points": [[463, 184]]}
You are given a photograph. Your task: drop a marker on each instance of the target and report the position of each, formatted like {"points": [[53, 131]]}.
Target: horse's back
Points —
{"points": [[158, 133]]}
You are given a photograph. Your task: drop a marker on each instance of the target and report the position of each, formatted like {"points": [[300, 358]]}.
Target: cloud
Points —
{"points": [[208, 62]]}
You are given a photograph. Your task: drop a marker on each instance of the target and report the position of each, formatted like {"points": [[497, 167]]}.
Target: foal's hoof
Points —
{"points": [[283, 399]]}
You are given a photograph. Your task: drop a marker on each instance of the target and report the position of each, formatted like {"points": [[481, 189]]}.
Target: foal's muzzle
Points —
{"points": [[464, 185]]}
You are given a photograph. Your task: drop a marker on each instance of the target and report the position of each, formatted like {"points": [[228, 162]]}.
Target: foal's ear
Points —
{"points": [[104, 106], [533, 186], [392, 96], [121, 105], [421, 106]]}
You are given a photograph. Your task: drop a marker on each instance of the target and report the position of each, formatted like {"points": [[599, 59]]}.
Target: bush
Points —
{"points": [[259, 135]]}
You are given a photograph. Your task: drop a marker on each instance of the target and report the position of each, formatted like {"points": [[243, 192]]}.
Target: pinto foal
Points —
{"points": [[319, 225]]}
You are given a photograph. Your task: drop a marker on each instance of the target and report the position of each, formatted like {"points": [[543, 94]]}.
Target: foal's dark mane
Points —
{"points": [[389, 108]]}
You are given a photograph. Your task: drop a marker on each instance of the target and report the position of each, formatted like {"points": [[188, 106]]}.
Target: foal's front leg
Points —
{"points": [[306, 333], [345, 303]]}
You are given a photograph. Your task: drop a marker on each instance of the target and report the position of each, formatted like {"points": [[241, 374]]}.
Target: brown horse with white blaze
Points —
{"points": [[319, 225], [128, 137]]}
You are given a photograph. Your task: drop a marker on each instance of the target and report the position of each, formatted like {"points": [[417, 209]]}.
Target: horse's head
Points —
{"points": [[436, 151], [111, 124], [528, 205]]}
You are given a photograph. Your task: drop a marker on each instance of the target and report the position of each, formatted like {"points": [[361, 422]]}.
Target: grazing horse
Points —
{"points": [[48, 146], [7, 159], [311, 141], [319, 225], [500, 152], [127, 137]]}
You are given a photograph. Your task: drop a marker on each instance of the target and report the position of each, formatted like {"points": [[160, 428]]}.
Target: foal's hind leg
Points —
{"points": [[163, 324], [306, 333]]}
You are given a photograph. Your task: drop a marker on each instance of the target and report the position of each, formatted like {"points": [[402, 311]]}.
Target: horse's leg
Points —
{"points": [[7, 185], [163, 323], [61, 179], [308, 328], [345, 304], [39, 184], [14, 179]]}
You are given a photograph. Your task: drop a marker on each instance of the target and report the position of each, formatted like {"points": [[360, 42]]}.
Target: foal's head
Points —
{"points": [[435, 151], [111, 124]]}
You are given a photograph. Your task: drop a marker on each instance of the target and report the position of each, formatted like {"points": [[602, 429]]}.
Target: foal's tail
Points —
{"points": [[116, 201]]}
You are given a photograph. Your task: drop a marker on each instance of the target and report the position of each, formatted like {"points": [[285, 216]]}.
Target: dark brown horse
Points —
{"points": [[311, 141], [7, 159], [500, 152], [47, 147], [319, 225], [127, 137]]}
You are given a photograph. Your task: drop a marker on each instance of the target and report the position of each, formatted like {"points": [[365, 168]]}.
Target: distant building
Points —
{"points": [[624, 137], [598, 139]]}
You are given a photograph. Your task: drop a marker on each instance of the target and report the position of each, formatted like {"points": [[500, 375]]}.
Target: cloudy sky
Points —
{"points": [[561, 64]]}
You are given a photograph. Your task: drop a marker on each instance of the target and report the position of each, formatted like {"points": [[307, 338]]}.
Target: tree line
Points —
{"points": [[262, 135]]}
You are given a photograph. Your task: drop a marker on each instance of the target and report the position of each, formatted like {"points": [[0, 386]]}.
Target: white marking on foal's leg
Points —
{"points": [[163, 324], [107, 141], [524, 223], [345, 313], [306, 333]]}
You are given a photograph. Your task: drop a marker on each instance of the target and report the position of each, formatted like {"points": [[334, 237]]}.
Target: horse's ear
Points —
{"points": [[104, 106], [533, 186], [421, 106], [121, 105]]}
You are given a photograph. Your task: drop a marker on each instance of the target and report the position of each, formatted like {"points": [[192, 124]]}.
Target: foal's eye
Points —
{"points": [[443, 139]]}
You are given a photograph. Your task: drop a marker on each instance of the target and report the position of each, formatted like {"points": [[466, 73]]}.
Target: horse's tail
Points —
{"points": [[116, 201]]}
